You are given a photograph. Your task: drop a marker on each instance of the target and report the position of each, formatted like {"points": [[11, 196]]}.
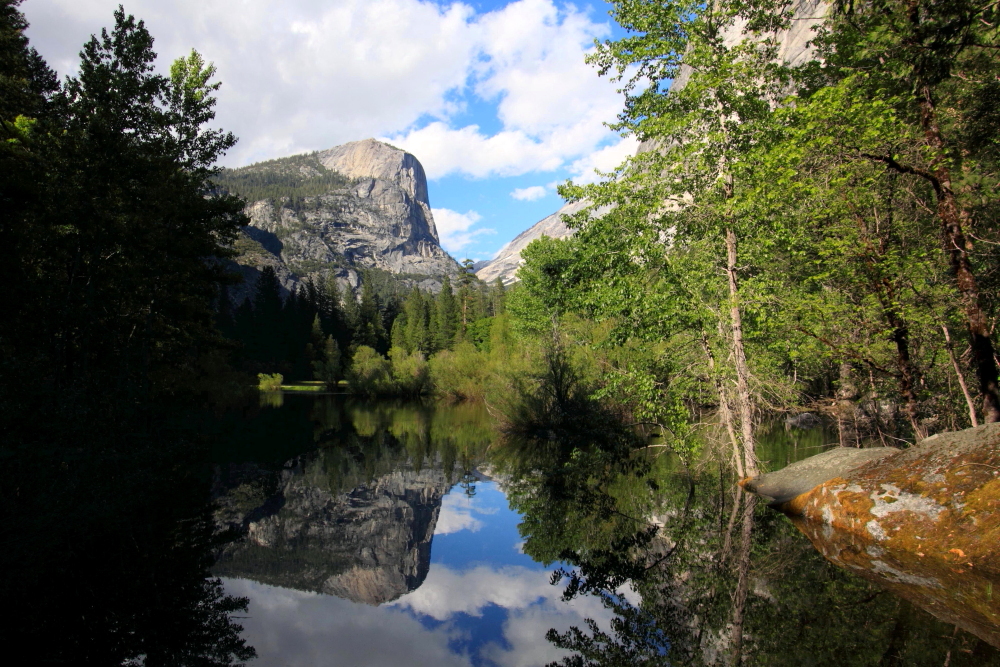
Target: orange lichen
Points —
{"points": [[895, 521]]}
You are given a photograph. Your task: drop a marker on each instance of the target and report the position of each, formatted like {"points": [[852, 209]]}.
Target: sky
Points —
{"points": [[494, 98]]}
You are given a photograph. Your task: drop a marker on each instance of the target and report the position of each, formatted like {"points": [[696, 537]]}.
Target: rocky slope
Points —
{"points": [[370, 544], [794, 49], [362, 205]]}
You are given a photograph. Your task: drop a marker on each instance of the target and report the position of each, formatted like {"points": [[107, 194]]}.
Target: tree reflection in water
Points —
{"points": [[105, 551], [697, 572]]}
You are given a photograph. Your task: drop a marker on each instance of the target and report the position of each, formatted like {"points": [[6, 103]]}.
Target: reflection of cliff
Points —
{"points": [[371, 544]]}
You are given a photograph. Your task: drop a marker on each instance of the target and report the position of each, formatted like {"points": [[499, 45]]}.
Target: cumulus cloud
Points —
{"points": [[456, 515], [297, 74], [454, 228], [529, 194], [296, 628], [304, 75], [585, 169], [532, 606]]}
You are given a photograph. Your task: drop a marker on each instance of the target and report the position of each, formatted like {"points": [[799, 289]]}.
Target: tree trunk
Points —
{"points": [[743, 578], [961, 379], [725, 413], [952, 217], [907, 374], [846, 406], [744, 399]]}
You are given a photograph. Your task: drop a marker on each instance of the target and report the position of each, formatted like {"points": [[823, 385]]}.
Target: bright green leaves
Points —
{"points": [[189, 77]]}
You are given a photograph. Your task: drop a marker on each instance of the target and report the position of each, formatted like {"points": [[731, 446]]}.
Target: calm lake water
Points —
{"points": [[379, 533]]}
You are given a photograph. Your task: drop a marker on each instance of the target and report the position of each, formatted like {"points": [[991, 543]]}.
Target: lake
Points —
{"points": [[388, 533]]}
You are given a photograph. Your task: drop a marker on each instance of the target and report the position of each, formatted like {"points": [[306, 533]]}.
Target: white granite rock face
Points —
{"points": [[381, 220], [507, 261], [368, 544], [794, 49]]}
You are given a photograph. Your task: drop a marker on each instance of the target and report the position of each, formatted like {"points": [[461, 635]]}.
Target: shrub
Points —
{"points": [[369, 372], [271, 382], [460, 374], [410, 372]]}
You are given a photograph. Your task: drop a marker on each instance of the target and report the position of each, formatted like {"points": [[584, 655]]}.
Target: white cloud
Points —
{"points": [[296, 628], [533, 605], [303, 75], [454, 228], [456, 515], [529, 194], [605, 159], [297, 74]]}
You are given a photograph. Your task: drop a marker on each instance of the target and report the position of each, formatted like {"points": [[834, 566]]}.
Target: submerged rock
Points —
{"points": [[923, 522]]}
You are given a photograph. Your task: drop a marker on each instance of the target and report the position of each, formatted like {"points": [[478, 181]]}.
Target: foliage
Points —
{"points": [[269, 382], [291, 180], [369, 373]]}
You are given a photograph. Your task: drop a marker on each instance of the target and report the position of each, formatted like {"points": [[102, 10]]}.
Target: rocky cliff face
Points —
{"points": [[356, 206], [794, 49], [371, 544]]}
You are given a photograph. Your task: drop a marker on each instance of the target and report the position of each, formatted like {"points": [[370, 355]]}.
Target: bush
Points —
{"points": [[369, 373], [271, 382], [460, 374], [410, 372]]}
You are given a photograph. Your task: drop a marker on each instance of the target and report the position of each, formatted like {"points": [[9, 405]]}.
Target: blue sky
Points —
{"points": [[493, 97]]}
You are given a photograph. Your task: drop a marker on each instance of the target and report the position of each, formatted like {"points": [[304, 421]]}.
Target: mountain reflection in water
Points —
{"points": [[396, 533]]}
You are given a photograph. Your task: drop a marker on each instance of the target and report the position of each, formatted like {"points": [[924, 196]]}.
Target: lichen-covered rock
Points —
{"points": [[798, 478], [924, 522]]}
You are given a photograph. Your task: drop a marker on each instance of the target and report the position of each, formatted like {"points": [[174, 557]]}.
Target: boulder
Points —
{"points": [[801, 477], [923, 522]]}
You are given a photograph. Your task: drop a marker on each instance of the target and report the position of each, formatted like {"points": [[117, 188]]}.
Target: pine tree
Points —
{"points": [[497, 298], [447, 316]]}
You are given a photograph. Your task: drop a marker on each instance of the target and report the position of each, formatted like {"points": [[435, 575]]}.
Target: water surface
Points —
{"points": [[379, 533]]}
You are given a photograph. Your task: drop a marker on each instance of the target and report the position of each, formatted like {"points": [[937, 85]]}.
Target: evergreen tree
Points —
{"points": [[447, 316], [266, 336], [328, 368], [497, 297], [417, 320]]}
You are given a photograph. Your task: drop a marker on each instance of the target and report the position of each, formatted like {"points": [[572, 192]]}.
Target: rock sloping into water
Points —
{"points": [[798, 478], [923, 522]]}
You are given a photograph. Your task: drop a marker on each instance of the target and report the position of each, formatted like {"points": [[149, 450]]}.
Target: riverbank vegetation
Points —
{"points": [[813, 234], [110, 257]]}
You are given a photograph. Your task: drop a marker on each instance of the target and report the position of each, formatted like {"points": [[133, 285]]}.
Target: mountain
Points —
{"points": [[338, 212], [507, 261], [794, 49], [370, 543]]}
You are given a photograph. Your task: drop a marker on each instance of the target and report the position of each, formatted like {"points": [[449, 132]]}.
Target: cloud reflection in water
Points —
{"points": [[471, 610]]}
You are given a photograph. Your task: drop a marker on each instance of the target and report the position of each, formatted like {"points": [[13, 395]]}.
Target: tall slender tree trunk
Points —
{"points": [[953, 218], [744, 399], [725, 412], [742, 578], [961, 379]]}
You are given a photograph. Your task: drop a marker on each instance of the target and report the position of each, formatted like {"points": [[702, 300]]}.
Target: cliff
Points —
{"points": [[370, 544], [363, 205]]}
